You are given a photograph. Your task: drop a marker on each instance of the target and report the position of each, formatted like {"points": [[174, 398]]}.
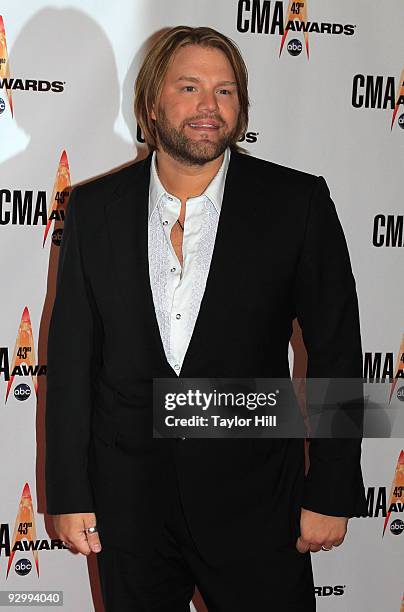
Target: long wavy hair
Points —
{"points": [[151, 75]]}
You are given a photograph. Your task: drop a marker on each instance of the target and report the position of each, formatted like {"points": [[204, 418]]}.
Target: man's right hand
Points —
{"points": [[71, 530]]}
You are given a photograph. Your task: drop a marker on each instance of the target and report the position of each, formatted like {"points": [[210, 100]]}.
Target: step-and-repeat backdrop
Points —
{"points": [[327, 97]]}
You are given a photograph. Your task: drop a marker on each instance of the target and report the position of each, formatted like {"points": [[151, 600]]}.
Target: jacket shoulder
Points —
{"points": [[101, 188], [270, 174]]}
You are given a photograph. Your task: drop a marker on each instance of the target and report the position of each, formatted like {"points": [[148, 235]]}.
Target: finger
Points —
{"points": [[315, 548], [338, 542], [93, 541], [79, 542], [301, 545], [56, 525], [71, 548]]}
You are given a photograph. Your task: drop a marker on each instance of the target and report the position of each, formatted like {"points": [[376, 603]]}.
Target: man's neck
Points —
{"points": [[185, 181]]}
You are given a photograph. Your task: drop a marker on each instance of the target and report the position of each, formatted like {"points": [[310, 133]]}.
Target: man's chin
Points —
{"points": [[204, 151], [200, 160], [195, 152]]}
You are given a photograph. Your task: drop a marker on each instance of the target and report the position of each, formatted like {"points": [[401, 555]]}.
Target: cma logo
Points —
{"points": [[381, 365], [268, 17], [21, 369], [380, 92], [327, 591], [388, 230], [8, 548], [377, 502], [20, 207], [247, 137], [371, 91]]}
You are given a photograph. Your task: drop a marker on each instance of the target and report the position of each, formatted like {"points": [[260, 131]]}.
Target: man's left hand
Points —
{"points": [[317, 530]]}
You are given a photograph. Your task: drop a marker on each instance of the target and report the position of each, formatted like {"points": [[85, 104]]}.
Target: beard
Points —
{"points": [[189, 151]]}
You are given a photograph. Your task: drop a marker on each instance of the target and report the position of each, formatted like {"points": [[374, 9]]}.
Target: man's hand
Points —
{"points": [[71, 530], [317, 530]]}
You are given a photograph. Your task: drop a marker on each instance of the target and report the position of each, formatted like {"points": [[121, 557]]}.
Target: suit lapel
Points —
{"points": [[225, 255], [127, 220]]}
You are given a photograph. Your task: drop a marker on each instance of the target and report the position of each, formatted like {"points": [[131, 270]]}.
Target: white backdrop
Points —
{"points": [[305, 113]]}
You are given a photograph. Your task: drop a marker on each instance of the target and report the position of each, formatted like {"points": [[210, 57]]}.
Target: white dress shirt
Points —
{"points": [[178, 290]]}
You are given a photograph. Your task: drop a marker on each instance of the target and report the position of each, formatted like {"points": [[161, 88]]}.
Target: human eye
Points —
{"points": [[226, 90], [188, 87]]}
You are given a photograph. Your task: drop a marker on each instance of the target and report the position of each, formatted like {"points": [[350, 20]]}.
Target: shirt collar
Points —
{"points": [[214, 191]]}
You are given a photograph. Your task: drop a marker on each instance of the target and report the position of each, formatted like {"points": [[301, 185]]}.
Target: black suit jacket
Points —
{"points": [[280, 253]]}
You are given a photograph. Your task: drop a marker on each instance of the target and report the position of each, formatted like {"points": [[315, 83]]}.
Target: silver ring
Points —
{"points": [[323, 548], [91, 529]]}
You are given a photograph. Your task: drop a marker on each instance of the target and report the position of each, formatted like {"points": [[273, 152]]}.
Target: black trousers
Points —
{"points": [[164, 579]]}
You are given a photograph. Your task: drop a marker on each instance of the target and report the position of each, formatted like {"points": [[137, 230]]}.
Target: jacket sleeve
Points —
{"points": [[327, 310], [68, 397]]}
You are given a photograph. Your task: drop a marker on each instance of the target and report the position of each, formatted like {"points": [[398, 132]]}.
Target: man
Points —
{"points": [[194, 262]]}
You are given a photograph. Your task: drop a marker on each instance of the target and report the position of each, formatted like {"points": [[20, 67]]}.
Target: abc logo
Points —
{"points": [[401, 121], [23, 567], [2, 106], [57, 237], [22, 392], [397, 527], [295, 47], [400, 393]]}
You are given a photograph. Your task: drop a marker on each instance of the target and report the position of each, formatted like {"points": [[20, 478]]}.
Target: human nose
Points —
{"points": [[207, 101]]}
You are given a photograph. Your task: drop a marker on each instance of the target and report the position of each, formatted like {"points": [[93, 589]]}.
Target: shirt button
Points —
{"points": [[165, 222], [173, 269], [178, 316], [176, 367]]}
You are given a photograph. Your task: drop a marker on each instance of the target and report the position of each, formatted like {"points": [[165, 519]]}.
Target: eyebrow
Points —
{"points": [[196, 80]]}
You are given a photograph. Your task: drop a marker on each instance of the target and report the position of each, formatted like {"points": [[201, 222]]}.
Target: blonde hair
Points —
{"points": [[151, 75]]}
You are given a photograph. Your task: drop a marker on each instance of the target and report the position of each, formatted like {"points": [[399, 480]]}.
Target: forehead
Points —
{"points": [[203, 62]]}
